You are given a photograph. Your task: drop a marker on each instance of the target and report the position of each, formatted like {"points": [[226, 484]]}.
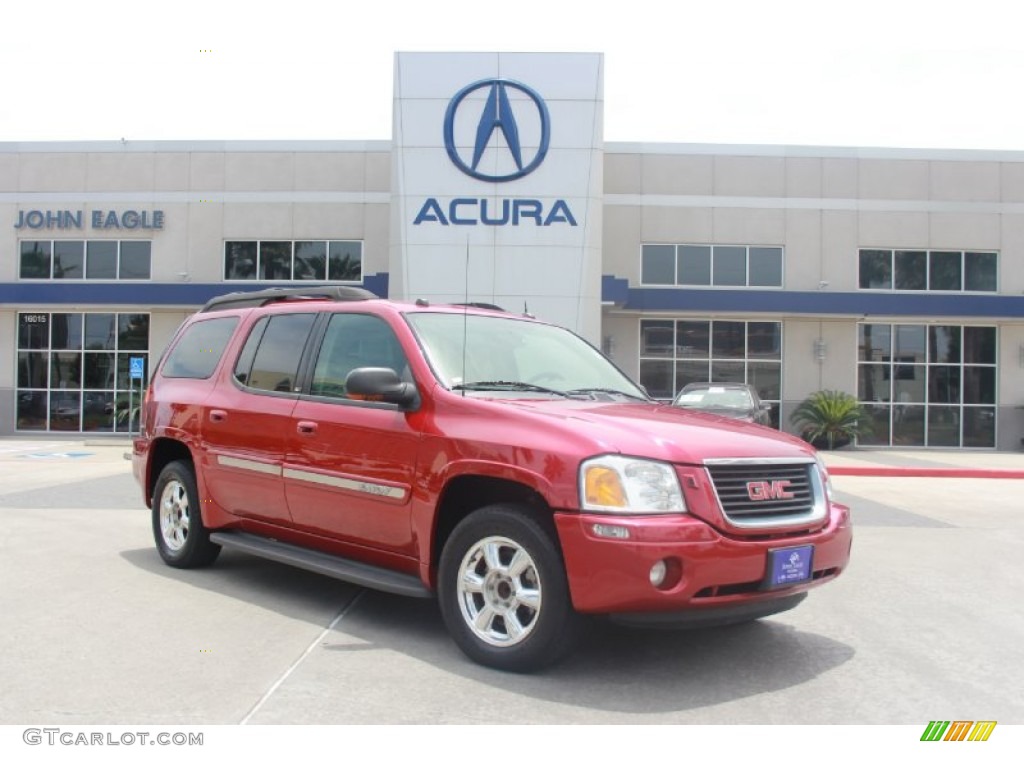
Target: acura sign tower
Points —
{"points": [[497, 182]]}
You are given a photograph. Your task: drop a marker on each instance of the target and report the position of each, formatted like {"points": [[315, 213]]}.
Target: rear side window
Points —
{"points": [[199, 349], [275, 350]]}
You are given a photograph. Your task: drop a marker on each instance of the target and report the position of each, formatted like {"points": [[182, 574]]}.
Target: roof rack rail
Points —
{"points": [[241, 299], [479, 305]]}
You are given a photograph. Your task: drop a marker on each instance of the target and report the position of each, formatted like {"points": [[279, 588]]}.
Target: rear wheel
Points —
{"points": [[181, 538], [503, 591]]}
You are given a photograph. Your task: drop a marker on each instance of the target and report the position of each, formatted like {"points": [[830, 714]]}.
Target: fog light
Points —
{"points": [[610, 531], [658, 573], [666, 574]]}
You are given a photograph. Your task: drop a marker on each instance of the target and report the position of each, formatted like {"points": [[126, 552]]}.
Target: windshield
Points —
{"points": [[715, 397], [505, 354]]}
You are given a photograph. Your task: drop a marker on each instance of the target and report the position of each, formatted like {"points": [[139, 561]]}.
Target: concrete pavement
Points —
{"points": [[97, 629], [864, 462]]}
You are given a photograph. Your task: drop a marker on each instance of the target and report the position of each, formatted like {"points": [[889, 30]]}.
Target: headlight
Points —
{"points": [[826, 479], [629, 486]]}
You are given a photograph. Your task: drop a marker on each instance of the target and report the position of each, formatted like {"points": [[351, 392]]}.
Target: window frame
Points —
{"points": [[83, 277], [936, 370], [708, 357], [930, 255], [99, 382], [257, 265], [677, 253]]}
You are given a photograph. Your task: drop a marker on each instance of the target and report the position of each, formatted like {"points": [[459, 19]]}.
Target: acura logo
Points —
{"points": [[497, 128]]}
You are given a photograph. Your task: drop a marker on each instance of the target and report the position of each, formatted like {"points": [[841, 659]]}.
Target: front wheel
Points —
{"points": [[181, 538], [503, 591]]}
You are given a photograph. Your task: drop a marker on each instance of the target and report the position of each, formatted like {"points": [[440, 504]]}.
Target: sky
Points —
{"points": [[899, 73]]}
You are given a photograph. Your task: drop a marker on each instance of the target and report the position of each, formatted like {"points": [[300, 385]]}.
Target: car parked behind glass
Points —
{"points": [[737, 401]]}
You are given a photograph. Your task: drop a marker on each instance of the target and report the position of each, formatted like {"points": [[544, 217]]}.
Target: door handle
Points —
{"points": [[306, 427], [218, 415]]}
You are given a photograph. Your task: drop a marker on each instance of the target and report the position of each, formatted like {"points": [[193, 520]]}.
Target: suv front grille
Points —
{"points": [[767, 494]]}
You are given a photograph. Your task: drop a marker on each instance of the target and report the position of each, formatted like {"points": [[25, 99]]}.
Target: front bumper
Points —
{"points": [[715, 571], [138, 458], [711, 616]]}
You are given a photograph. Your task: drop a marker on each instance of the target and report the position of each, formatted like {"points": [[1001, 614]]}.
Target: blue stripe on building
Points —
{"points": [[618, 291], [614, 290], [31, 294]]}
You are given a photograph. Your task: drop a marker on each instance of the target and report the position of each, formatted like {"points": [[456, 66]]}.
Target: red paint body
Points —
{"points": [[369, 481]]}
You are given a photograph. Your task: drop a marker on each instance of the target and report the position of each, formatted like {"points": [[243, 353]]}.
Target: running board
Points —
{"points": [[336, 567]]}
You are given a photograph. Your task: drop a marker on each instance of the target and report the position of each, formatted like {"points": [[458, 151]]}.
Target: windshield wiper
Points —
{"points": [[607, 391], [508, 386]]}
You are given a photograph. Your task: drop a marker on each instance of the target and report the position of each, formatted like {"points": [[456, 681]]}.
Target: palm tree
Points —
{"points": [[828, 418]]}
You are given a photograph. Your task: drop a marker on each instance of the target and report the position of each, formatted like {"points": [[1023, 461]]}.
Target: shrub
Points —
{"points": [[830, 419]]}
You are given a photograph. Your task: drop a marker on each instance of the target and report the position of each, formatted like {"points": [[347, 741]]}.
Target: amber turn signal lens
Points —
{"points": [[604, 488]]}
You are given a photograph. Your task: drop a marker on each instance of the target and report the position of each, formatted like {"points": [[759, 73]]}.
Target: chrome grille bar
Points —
{"points": [[766, 493]]}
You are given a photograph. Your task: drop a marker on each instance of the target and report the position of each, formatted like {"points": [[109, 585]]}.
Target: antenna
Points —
{"points": [[465, 319]]}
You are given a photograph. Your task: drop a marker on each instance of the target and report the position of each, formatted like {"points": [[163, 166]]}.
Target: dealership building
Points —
{"points": [[895, 275]]}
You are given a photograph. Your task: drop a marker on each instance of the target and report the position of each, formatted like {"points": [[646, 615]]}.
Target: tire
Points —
{"points": [[503, 591], [181, 538]]}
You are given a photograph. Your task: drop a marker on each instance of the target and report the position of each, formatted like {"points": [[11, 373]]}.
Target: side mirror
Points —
{"points": [[381, 385]]}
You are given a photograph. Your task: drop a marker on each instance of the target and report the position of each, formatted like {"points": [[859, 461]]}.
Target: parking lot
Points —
{"points": [[925, 624]]}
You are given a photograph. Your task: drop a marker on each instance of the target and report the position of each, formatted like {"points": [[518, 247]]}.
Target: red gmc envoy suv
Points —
{"points": [[498, 463]]}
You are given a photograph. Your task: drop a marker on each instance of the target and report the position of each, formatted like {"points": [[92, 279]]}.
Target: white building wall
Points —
{"points": [[8, 373], [554, 269], [821, 205], [1010, 386]]}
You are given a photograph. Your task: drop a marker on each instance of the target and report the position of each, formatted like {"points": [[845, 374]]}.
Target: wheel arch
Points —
{"points": [[162, 452], [464, 494]]}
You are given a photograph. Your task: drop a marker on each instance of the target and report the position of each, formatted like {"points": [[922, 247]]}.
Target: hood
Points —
{"points": [[733, 413], [664, 432]]}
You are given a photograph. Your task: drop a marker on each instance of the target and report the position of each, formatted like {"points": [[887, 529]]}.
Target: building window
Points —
{"points": [[73, 370], [85, 259], [335, 261], [909, 270], [674, 353], [928, 385], [727, 266]]}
